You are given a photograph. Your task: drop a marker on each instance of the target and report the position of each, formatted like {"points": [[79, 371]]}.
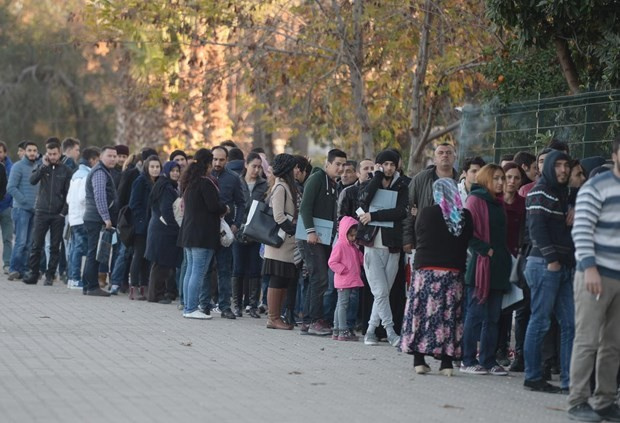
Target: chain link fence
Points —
{"points": [[587, 122]]}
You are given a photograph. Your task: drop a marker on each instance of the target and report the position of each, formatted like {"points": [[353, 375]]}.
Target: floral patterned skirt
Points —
{"points": [[433, 322]]}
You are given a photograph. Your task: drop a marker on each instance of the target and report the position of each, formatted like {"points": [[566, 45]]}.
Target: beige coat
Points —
{"points": [[283, 204]]}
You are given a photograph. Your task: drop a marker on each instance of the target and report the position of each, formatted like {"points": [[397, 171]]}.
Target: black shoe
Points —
{"points": [[31, 279], [502, 359], [611, 413], [238, 313], [254, 313], [541, 386], [98, 292], [48, 281], [517, 366], [228, 314], [584, 413], [165, 301]]}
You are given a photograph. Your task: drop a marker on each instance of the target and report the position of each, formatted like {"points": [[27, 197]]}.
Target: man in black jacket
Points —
{"points": [[384, 244], [347, 200], [50, 210]]}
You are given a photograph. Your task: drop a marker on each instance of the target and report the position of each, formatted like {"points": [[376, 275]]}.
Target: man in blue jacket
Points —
{"points": [[6, 222], [24, 195], [231, 194]]}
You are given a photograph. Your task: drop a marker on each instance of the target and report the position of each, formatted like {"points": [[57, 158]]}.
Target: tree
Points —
{"points": [[578, 30]]}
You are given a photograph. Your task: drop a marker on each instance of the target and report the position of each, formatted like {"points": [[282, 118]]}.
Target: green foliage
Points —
{"points": [[522, 73]]}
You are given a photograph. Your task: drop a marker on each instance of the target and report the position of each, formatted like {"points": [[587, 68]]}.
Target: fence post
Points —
{"points": [[497, 145]]}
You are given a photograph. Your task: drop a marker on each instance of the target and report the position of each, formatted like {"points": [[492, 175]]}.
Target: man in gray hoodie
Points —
{"points": [[24, 195]]}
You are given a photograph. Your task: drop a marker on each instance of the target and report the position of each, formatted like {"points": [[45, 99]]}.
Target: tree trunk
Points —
{"points": [[138, 124], [568, 65], [416, 133]]}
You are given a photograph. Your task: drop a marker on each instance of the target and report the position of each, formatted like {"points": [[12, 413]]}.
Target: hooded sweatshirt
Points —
{"points": [[547, 207], [346, 259]]}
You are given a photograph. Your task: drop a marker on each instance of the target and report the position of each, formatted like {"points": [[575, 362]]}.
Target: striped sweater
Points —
{"points": [[597, 225]]}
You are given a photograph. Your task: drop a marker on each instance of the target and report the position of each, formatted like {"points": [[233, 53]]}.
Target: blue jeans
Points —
{"points": [[79, 243], [354, 303], [6, 225], [23, 220], [198, 260], [119, 269], [550, 293], [330, 297], [316, 263], [180, 275], [223, 263], [481, 323], [246, 260]]}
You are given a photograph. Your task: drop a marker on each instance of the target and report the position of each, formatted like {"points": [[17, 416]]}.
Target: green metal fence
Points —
{"points": [[586, 121]]}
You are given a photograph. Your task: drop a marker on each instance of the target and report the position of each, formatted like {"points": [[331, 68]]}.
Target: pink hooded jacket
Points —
{"points": [[346, 259]]}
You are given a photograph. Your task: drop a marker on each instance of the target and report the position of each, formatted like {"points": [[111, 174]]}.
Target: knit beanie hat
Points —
{"points": [[177, 153], [283, 163], [122, 149], [147, 152], [387, 156]]}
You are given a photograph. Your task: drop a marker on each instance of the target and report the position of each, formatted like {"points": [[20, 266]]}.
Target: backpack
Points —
{"points": [[124, 226]]}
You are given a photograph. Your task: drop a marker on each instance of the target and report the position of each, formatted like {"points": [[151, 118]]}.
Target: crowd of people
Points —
{"points": [[439, 265]]}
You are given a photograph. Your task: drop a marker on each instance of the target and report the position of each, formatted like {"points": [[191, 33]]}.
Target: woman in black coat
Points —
{"points": [[140, 210], [200, 230], [247, 263], [163, 231]]}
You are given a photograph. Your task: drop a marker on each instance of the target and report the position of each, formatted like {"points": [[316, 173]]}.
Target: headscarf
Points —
{"points": [[168, 166], [446, 195], [163, 181]]}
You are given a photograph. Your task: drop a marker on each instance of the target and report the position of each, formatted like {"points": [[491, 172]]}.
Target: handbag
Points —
{"points": [[226, 235], [260, 225]]}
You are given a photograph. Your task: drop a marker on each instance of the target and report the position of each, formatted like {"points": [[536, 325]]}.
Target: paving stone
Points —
{"points": [[65, 357]]}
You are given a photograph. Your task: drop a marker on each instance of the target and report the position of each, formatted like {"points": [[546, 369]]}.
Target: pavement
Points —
{"points": [[65, 357]]}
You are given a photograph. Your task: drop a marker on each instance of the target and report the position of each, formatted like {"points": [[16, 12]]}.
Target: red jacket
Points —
{"points": [[346, 259]]}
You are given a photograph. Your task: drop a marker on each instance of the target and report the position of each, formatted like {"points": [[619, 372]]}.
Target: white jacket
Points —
{"points": [[76, 198]]}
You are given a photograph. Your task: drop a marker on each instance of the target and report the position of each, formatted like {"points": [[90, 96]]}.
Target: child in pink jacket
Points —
{"points": [[346, 261]]}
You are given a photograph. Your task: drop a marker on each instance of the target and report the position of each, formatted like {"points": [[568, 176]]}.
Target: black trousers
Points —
{"points": [[157, 285], [44, 222], [139, 270]]}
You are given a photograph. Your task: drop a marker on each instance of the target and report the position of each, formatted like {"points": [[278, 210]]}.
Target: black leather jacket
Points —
{"points": [[53, 182]]}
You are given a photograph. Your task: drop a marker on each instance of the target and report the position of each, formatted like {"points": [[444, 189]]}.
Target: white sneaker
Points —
{"points": [[197, 314]]}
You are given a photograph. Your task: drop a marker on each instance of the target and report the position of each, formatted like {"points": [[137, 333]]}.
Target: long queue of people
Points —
{"points": [[440, 265]]}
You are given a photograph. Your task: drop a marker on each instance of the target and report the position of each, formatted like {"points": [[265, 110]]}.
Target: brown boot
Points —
{"points": [[103, 280], [274, 299]]}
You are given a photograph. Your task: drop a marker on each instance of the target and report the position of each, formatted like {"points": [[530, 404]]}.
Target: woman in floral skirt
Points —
{"points": [[433, 323]]}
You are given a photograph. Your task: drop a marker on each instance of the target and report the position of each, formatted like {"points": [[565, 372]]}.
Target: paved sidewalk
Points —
{"points": [[65, 357]]}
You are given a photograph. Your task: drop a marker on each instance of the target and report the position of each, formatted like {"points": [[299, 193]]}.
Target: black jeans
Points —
{"points": [[91, 267], [44, 222], [522, 318], [139, 270]]}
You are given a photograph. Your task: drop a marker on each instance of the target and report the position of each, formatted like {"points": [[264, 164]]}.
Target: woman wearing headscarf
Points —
{"points": [[163, 230], [433, 322], [488, 272], [279, 262]]}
